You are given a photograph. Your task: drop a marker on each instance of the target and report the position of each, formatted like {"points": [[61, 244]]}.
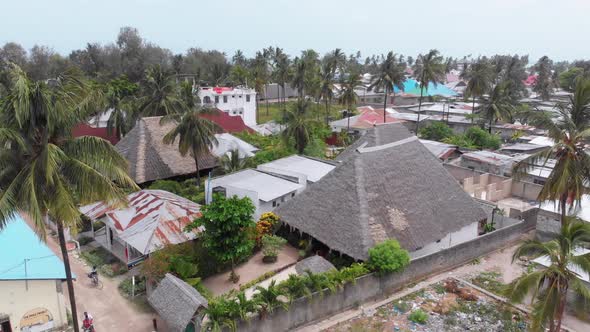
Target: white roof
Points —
{"points": [[582, 211], [542, 140], [313, 169], [227, 142], [582, 275], [267, 186]]}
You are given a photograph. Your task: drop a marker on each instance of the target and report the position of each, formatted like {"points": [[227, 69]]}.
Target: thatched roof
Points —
{"points": [[314, 264], [150, 159], [388, 185], [176, 302]]}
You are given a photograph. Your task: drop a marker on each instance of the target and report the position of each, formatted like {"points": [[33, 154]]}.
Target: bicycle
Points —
{"points": [[94, 281]]}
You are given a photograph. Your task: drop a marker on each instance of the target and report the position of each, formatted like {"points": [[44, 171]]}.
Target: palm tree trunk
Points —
{"points": [[419, 109], [66, 258], [490, 124], [563, 205], [473, 108], [257, 110], [197, 167], [560, 309], [385, 106], [348, 120], [266, 97]]}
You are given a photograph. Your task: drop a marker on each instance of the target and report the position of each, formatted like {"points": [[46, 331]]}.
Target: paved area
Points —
{"points": [[497, 261], [111, 311], [250, 270]]}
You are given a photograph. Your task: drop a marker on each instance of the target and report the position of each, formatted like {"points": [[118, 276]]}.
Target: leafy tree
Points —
{"points": [[483, 139], [480, 79], [298, 126], [391, 74], [514, 71], [570, 130], [550, 284], [428, 68], [544, 84], [348, 96], [228, 228], [45, 172], [437, 131], [387, 257], [567, 79], [498, 106], [117, 99]]}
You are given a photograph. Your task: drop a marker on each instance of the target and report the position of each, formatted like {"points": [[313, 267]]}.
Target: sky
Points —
{"points": [[557, 28]]}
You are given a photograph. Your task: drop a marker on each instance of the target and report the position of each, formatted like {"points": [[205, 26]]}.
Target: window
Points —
{"points": [[292, 194], [207, 100], [282, 199], [217, 99], [240, 96], [247, 98], [274, 203], [224, 99], [438, 241], [233, 96], [538, 181]]}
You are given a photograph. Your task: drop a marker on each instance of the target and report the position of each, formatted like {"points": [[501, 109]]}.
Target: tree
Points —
{"points": [[196, 135], [117, 101], [568, 79], [45, 172], [498, 106], [327, 88], [437, 131], [550, 284], [388, 257], [159, 93], [259, 73], [480, 79], [570, 130], [297, 126], [543, 84], [391, 74], [348, 96], [268, 298], [228, 229], [298, 78], [429, 68], [232, 161]]}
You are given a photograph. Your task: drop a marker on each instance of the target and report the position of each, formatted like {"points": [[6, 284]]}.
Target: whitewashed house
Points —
{"points": [[233, 101]]}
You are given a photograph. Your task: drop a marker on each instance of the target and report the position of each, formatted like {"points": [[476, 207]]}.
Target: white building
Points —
{"points": [[234, 101]]}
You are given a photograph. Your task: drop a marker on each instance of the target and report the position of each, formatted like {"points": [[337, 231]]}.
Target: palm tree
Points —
{"points": [[498, 106], [47, 174], [348, 96], [429, 68], [195, 134], [570, 131], [390, 75], [550, 284], [232, 161], [268, 298], [298, 79], [327, 88], [260, 76], [544, 84], [297, 126], [480, 79], [160, 94], [217, 315]]}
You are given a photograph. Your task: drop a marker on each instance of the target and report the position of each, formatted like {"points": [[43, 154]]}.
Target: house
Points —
{"points": [[309, 169], [369, 117], [152, 219], [266, 191], [150, 159], [227, 123], [527, 148], [179, 304], [490, 162], [31, 281], [96, 126], [442, 151], [386, 185], [227, 142], [239, 102]]}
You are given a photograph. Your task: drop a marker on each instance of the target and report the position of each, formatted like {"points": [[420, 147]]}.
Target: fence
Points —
{"points": [[368, 287]]}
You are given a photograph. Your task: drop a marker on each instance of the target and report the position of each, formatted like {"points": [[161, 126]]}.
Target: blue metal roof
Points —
{"points": [[25, 256]]}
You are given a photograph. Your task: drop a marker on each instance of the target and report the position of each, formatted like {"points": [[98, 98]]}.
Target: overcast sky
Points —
{"points": [[558, 28]]}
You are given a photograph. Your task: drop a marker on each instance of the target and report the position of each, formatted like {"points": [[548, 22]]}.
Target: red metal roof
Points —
{"points": [[84, 129], [229, 124], [370, 117]]}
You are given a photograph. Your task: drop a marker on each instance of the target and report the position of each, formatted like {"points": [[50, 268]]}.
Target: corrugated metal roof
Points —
{"points": [[267, 186], [311, 168], [152, 219]]}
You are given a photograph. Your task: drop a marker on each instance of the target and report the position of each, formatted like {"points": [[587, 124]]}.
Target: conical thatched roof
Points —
{"points": [[150, 159], [387, 185]]}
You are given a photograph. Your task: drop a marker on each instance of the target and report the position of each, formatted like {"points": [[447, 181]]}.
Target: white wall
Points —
{"points": [[16, 300], [236, 103], [465, 234]]}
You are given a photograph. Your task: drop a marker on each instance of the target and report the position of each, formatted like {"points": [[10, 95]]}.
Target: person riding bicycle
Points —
{"points": [[88, 322], [93, 273]]}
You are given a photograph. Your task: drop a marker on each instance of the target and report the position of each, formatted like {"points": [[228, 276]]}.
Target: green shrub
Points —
{"points": [[271, 245], [126, 286], [437, 131], [387, 257], [187, 189], [418, 316], [112, 270], [483, 139]]}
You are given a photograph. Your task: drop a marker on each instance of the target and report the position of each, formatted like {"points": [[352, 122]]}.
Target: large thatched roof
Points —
{"points": [[387, 185], [176, 302], [150, 159]]}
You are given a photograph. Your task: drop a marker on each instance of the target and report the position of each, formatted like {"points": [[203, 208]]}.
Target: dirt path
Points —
{"points": [[111, 311]]}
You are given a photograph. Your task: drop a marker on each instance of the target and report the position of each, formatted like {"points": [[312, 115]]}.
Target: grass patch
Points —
{"points": [[418, 316], [126, 287], [489, 281], [106, 263]]}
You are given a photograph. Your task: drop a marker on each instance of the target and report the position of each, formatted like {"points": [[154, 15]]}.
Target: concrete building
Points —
{"points": [[234, 101], [31, 282], [527, 148], [309, 169], [490, 162]]}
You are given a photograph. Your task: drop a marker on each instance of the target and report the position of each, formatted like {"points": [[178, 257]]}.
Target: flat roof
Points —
{"points": [[267, 186], [489, 157], [313, 169], [522, 147], [25, 256]]}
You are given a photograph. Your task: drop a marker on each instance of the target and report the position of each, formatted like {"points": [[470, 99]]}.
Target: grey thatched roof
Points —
{"points": [[176, 302], [387, 185], [314, 264], [150, 159]]}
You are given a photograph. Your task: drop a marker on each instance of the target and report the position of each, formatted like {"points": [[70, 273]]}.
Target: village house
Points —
{"points": [[31, 282], [386, 185], [520, 148], [152, 219], [442, 151], [490, 162], [239, 102]]}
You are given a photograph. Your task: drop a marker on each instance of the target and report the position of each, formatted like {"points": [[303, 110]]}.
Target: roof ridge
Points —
{"points": [[181, 285], [363, 203], [139, 169], [363, 149]]}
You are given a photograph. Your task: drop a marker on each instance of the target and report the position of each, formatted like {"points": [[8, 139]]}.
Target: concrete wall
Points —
{"points": [[370, 287], [17, 301], [526, 190], [237, 102]]}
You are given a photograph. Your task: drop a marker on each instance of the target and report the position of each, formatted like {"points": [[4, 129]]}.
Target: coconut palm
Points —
{"points": [[544, 84], [348, 96], [260, 76], [570, 131], [479, 76], [268, 298], [46, 174], [298, 126], [390, 75], [232, 161], [428, 68], [160, 93], [295, 287], [327, 88], [498, 106], [298, 79], [218, 315], [550, 284]]}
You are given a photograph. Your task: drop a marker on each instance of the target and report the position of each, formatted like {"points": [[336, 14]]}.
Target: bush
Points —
{"points": [[266, 226], [418, 316], [437, 131], [112, 270], [271, 245], [126, 287], [84, 240], [187, 189], [387, 257], [483, 139]]}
